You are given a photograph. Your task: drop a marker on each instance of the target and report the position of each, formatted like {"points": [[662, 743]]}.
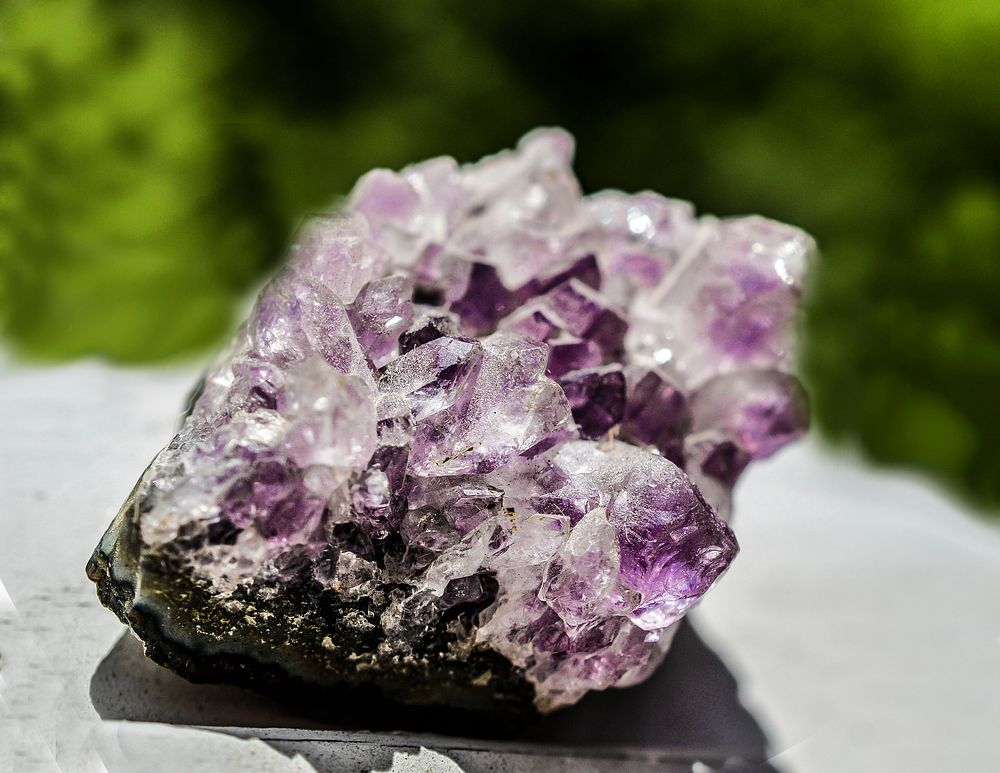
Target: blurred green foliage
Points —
{"points": [[155, 156]]}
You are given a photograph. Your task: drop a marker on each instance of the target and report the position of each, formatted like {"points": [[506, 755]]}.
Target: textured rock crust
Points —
{"points": [[283, 640]]}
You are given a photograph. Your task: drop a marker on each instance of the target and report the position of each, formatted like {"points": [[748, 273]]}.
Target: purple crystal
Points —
{"points": [[567, 353], [584, 270], [582, 312], [255, 496], [411, 442], [597, 397], [484, 300], [648, 500], [656, 414], [464, 502], [379, 496]]}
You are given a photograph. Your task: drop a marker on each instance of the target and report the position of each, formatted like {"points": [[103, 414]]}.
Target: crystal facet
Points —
{"points": [[474, 445]]}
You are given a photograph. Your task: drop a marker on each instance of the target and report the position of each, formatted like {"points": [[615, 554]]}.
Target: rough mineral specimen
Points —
{"points": [[474, 445]]}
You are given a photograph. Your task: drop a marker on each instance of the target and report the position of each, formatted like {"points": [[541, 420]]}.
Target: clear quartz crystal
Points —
{"points": [[445, 366]]}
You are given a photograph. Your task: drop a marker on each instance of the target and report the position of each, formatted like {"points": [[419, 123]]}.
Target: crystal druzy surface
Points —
{"points": [[475, 443]]}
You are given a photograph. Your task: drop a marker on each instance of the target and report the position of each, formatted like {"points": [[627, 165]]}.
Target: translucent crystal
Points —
{"points": [[727, 305], [583, 573], [381, 312]]}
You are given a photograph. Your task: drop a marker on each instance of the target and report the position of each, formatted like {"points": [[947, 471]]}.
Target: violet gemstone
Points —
{"points": [[656, 414], [475, 444], [585, 270], [485, 299], [584, 313], [597, 398], [567, 353]]}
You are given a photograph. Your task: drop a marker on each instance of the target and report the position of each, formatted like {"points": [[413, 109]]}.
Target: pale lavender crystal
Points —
{"points": [[649, 502], [728, 304], [510, 408], [736, 418], [381, 312], [316, 404], [435, 376], [339, 253], [475, 388], [760, 410], [583, 573]]}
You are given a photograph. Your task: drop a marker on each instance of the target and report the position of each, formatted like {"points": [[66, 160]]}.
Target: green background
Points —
{"points": [[156, 156]]}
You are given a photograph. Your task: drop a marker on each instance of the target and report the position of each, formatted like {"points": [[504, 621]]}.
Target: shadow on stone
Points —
{"points": [[689, 710]]}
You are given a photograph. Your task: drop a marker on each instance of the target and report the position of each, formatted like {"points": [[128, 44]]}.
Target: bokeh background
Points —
{"points": [[156, 156]]}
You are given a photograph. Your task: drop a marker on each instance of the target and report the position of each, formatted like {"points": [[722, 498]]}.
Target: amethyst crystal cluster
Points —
{"points": [[475, 443]]}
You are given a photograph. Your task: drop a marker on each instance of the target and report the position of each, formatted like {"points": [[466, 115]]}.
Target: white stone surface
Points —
{"points": [[862, 618], [424, 761]]}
